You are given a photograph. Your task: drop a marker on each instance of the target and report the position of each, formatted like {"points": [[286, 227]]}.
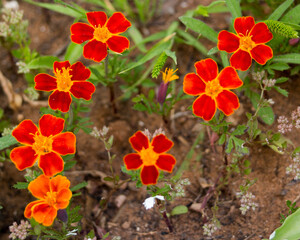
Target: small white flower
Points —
{"points": [[150, 201], [12, 5], [72, 233]]}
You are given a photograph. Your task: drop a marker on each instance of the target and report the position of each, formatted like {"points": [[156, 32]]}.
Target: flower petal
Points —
{"points": [[81, 32], [95, 50], [193, 85], [51, 164], [58, 66], [96, 18], [39, 186], [28, 212], [227, 102], [132, 161], [63, 198], [228, 41], [79, 72], [139, 141], [118, 43], [149, 175], [83, 90], [207, 69], [117, 23], [260, 33], [45, 82], [44, 213], [60, 100], [58, 183], [166, 162], [241, 60], [51, 125], [64, 143], [204, 107], [161, 144], [243, 25], [25, 132], [23, 157], [261, 53], [228, 78]]}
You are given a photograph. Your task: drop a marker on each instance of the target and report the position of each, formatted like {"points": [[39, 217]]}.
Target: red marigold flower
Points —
{"points": [[44, 144], [150, 156], [101, 34], [212, 88], [248, 43], [69, 79], [52, 194]]}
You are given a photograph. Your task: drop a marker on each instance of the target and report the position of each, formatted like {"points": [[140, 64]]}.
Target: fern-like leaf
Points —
{"points": [[160, 62], [281, 29]]}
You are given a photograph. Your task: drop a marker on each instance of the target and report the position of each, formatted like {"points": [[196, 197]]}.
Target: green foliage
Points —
{"points": [[293, 58], [292, 208], [159, 64], [178, 210], [7, 141], [280, 10], [235, 8], [21, 185], [281, 28], [215, 7], [42, 62]]}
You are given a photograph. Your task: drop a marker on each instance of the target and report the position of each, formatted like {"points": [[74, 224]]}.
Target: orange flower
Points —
{"points": [[212, 88], [44, 144], [101, 34], [150, 156], [248, 43], [52, 194]]}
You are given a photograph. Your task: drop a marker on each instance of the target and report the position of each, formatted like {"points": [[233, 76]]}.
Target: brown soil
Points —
{"points": [[50, 35]]}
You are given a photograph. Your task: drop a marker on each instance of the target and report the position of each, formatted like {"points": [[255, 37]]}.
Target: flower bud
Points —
{"points": [[62, 215], [162, 92]]}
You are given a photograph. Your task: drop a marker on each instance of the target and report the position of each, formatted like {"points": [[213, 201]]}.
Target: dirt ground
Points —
{"points": [[50, 35]]}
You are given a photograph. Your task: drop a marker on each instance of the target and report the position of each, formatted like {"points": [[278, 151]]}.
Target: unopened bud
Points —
{"points": [[62, 215], [162, 92]]}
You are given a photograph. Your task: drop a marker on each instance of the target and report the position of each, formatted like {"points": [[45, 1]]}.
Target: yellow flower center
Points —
{"points": [[246, 43], [63, 78], [213, 88], [102, 34], [42, 145], [148, 156], [51, 198]]}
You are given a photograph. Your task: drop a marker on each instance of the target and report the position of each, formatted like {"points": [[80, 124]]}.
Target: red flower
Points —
{"points": [[101, 33], [53, 194], [212, 88], [69, 79], [150, 156], [248, 43], [44, 144]]}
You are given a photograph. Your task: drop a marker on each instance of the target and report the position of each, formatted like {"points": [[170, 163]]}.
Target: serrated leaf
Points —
{"points": [[280, 10], [79, 186], [181, 209], [42, 62], [7, 141], [21, 185], [240, 130], [234, 8]]}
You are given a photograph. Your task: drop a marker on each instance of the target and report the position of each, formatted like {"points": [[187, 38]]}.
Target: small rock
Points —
{"points": [[125, 225], [119, 201]]}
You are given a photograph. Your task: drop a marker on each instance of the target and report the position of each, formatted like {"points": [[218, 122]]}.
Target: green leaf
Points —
{"points": [[181, 209], [240, 130], [289, 229], [288, 58], [212, 51], [7, 141], [281, 91], [280, 66], [137, 38], [108, 179], [21, 185], [69, 165], [74, 52], [172, 55], [42, 62], [292, 16], [200, 27], [79, 186], [281, 80], [267, 115], [234, 8], [229, 146], [224, 57], [280, 10], [140, 107]]}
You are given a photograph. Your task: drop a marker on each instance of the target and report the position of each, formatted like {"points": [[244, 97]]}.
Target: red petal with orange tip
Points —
{"points": [[228, 41], [51, 125], [117, 23], [139, 141], [25, 132], [45, 82], [204, 107], [96, 18], [166, 162], [82, 90], [149, 175], [260, 33], [228, 78], [133, 161], [227, 102], [81, 32], [241, 60], [60, 101], [51, 164], [95, 50], [161, 143], [23, 157], [261, 53], [64, 143], [243, 25], [79, 72], [193, 85], [118, 43], [207, 69]]}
